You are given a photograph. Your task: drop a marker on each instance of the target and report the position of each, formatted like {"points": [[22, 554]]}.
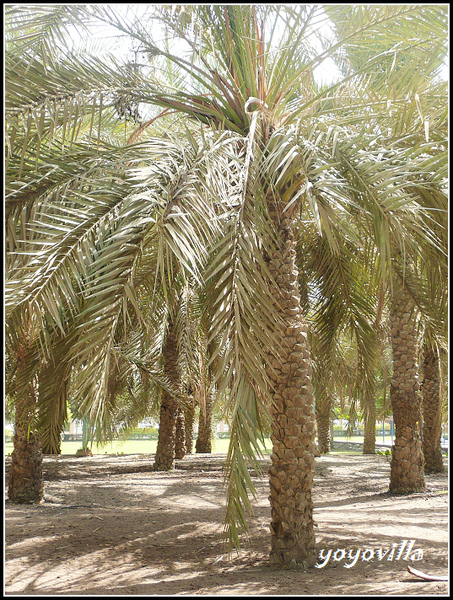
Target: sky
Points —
{"points": [[106, 37]]}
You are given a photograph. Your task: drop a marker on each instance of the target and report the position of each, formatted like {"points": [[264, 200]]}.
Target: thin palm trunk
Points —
{"points": [[165, 452], [293, 424], [323, 427], [204, 437], [407, 464], [180, 435], [26, 477], [189, 420], [369, 435], [432, 416]]}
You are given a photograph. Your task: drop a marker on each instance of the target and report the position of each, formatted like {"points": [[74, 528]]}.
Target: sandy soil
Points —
{"points": [[111, 526]]}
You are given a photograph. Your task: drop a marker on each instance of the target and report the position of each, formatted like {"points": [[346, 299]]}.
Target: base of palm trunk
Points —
{"points": [[26, 483], [165, 455], [203, 447], [369, 446], [407, 464], [293, 542], [324, 438], [435, 464], [84, 452], [291, 478], [369, 437], [165, 451]]}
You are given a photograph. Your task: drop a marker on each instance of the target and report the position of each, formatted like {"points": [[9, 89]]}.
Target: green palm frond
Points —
{"points": [[42, 29]]}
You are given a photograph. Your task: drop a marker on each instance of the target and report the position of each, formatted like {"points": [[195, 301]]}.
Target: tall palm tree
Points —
{"points": [[344, 306], [431, 409], [203, 442], [65, 287], [412, 73], [25, 478], [165, 452], [259, 158], [407, 465]]}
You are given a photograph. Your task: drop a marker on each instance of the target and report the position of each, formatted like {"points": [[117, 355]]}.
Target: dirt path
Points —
{"points": [[111, 526]]}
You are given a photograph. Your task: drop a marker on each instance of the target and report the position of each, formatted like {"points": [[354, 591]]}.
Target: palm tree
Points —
{"points": [[203, 442], [344, 307], [189, 420], [407, 465], [256, 161], [431, 409], [165, 452], [25, 478], [61, 287]]}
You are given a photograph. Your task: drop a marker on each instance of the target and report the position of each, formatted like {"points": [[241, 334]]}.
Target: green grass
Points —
{"points": [[127, 447], [219, 446]]}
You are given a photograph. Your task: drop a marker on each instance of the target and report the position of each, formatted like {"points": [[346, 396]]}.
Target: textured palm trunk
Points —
{"points": [[323, 427], [203, 445], [26, 477], [432, 416], [407, 464], [180, 435], [51, 432], [189, 421], [293, 422], [165, 452], [369, 436]]}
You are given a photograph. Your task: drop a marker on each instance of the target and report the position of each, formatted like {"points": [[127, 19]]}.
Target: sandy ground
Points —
{"points": [[109, 525]]}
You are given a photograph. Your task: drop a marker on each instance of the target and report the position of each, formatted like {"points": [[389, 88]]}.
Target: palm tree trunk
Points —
{"points": [[293, 422], [165, 452], [180, 435], [189, 420], [432, 416], [323, 427], [204, 438], [369, 418], [26, 477], [406, 467]]}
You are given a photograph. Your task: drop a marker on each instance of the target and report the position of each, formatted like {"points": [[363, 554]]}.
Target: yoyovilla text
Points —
{"points": [[403, 551]]}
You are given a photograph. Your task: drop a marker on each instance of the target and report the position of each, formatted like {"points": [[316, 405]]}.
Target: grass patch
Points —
{"points": [[219, 446]]}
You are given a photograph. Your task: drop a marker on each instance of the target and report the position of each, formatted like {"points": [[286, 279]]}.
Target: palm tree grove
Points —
{"points": [[235, 217]]}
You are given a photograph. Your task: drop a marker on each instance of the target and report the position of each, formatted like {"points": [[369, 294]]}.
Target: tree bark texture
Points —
{"points": [[180, 435], [369, 435], [407, 464], [26, 483], [189, 420], [432, 416], [293, 421], [323, 427], [165, 451], [203, 445]]}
